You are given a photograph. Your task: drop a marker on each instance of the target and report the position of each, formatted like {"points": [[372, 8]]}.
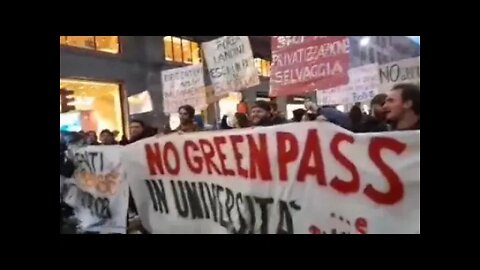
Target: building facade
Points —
{"points": [[102, 71]]}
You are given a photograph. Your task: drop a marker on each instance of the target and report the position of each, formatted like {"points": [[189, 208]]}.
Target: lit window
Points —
{"points": [[177, 49], [87, 42], [263, 67], [107, 43], [187, 51], [258, 65], [181, 50], [196, 57], [99, 43], [168, 44]]}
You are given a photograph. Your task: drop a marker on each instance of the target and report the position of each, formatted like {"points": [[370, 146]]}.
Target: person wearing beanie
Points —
{"points": [[261, 114]]}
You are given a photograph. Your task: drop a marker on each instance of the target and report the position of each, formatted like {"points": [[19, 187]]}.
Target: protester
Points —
{"points": [[331, 114], [241, 120], [138, 131], [277, 117], [298, 115], [115, 134], [198, 120], [261, 114], [402, 107], [376, 122], [242, 107], [186, 114], [107, 137], [91, 138], [356, 117], [309, 116], [224, 123]]}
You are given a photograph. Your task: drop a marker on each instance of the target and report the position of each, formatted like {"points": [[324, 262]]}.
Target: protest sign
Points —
{"points": [[363, 86], [303, 64], [301, 178], [230, 64], [403, 71], [98, 191], [183, 86], [140, 103]]}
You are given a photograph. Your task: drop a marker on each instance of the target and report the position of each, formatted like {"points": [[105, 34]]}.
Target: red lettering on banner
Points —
{"points": [[259, 158], [284, 156], [361, 225], [342, 186], [304, 63], [197, 165], [170, 147], [154, 159], [396, 191], [218, 141], [208, 154], [236, 139], [312, 149]]}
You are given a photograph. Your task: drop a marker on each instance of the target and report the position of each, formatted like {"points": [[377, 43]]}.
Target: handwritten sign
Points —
{"points": [[183, 86], [303, 64], [98, 191], [230, 64], [363, 86], [403, 71]]}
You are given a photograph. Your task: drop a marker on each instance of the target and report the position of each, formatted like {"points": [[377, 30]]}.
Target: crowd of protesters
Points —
{"points": [[396, 111]]}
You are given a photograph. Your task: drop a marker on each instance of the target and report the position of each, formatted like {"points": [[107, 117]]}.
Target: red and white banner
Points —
{"points": [[303, 64], [304, 178]]}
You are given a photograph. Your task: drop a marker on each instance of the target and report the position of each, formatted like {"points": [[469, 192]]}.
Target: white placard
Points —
{"points": [[363, 86], [183, 86], [98, 191], [230, 64], [299, 178]]}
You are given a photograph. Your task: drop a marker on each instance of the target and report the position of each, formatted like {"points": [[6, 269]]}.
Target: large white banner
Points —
{"points": [[363, 86], [230, 64], [183, 86], [296, 178], [403, 71], [98, 191]]}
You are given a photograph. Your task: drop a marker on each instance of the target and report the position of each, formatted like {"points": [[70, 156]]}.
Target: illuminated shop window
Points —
{"points": [[181, 50], [97, 106], [107, 44], [263, 67]]}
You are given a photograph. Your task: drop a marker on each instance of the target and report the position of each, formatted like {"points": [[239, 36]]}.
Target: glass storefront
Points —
{"points": [[97, 106]]}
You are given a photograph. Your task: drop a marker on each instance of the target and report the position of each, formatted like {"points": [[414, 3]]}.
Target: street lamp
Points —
{"points": [[364, 41]]}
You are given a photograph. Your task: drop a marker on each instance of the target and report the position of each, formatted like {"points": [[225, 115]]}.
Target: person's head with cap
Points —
{"points": [[376, 106], [261, 113]]}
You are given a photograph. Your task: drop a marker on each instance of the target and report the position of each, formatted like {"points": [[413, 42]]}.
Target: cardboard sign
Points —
{"points": [[363, 86], [98, 191], [183, 86], [403, 71], [230, 64], [140, 103]]}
